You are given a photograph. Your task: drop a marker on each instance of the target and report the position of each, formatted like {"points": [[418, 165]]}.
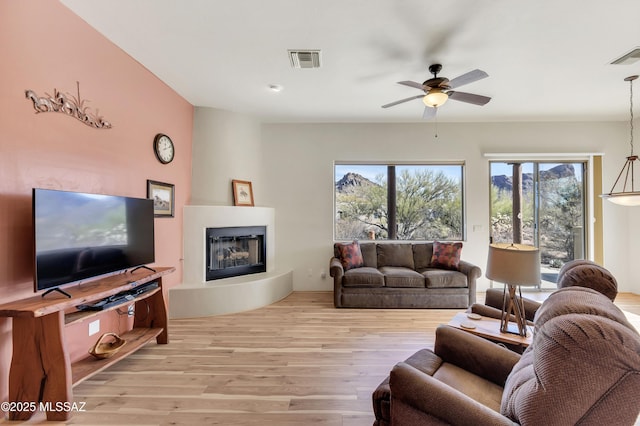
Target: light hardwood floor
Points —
{"points": [[297, 362]]}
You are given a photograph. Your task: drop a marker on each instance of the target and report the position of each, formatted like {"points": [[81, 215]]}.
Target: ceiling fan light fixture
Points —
{"points": [[435, 98]]}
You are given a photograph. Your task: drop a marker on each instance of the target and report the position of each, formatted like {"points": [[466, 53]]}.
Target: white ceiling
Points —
{"points": [[547, 60]]}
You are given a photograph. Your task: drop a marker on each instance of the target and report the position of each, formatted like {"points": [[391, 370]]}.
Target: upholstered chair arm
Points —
{"points": [[335, 268], [337, 272], [491, 312], [469, 269], [419, 399], [472, 272], [475, 354], [485, 311], [494, 297]]}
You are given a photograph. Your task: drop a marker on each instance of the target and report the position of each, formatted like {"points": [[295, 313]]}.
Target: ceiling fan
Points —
{"points": [[438, 89]]}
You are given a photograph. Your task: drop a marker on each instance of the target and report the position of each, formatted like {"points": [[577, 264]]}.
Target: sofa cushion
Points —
{"points": [[422, 253], [349, 254], [477, 388], [400, 255], [401, 277], [446, 255], [369, 254], [363, 277], [442, 278]]}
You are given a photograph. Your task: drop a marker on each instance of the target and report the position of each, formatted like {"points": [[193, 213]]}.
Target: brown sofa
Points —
{"points": [[583, 367], [401, 275]]}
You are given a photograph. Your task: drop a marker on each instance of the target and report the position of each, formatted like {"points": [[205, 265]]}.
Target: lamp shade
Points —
{"points": [[515, 264], [623, 198]]}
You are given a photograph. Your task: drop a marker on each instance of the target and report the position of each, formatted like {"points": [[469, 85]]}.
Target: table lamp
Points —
{"points": [[514, 265]]}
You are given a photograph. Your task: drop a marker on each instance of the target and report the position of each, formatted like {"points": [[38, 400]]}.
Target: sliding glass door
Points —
{"points": [[541, 204]]}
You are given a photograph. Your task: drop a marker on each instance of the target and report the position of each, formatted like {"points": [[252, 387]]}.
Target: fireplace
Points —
{"points": [[235, 251]]}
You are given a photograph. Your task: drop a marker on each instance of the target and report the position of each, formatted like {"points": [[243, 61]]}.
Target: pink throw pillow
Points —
{"points": [[350, 255], [446, 255]]}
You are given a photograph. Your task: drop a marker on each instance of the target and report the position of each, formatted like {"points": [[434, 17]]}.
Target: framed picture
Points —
{"points": [[163, 198], [242, 193]]}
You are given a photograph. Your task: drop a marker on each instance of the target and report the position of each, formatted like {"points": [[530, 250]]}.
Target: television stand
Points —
{"points": [[59, 290], [141, 267], [41, 373]]}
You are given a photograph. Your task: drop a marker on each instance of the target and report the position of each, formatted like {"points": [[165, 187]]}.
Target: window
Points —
{"points": [[399, 201], [541, 203]]}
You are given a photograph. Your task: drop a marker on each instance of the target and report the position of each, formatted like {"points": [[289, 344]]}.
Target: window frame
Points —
{"points": [[395, 165]]}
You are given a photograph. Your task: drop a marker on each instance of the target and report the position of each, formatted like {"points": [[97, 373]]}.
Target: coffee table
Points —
{"points": [[489, 328]]}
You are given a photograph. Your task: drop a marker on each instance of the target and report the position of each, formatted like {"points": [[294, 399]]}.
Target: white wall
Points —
{"points": [[291, 167], [226, 146], [299, 181], [633, 214]]}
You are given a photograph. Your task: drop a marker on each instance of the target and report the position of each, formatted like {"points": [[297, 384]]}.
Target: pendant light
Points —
{"points": [[628, 196]]}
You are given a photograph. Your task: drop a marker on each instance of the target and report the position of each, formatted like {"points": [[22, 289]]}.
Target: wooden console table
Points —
{"points": [[41, 373]]}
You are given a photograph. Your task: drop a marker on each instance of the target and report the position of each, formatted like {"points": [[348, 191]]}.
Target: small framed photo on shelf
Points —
{"points": [[242, 193], [163, 196]]}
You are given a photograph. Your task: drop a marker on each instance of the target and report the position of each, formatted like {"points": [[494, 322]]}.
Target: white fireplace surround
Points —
{"points": [[196, 297]]}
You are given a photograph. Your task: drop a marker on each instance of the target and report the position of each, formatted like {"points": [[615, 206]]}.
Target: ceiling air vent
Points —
{"points": [[304, 58], [628, 58]]}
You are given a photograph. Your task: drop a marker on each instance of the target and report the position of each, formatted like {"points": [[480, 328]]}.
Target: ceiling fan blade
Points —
{"points": [[469, 98], [402, 100], [429, 113], [412, 84], [467, 78]]}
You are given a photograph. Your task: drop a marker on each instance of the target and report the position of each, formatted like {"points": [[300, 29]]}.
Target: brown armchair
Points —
{"points": [[583, 367], [464, 387]]}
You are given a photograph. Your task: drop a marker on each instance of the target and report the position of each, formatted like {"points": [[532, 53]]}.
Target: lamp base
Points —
{"points": [[513, 306], [512, 328]]}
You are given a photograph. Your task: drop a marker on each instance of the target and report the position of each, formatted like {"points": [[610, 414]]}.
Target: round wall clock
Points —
{"points": [[163, 148]]}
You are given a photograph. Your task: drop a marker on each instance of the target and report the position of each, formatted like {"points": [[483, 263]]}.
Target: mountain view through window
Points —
{"points": [[399, 202]]}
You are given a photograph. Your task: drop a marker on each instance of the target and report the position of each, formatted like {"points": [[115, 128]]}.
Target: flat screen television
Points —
{"points": [[80, 236]]}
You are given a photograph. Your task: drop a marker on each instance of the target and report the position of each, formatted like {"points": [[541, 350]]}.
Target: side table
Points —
{"points": [[489, 328]]}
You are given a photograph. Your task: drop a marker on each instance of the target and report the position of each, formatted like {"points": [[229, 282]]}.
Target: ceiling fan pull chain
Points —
{"points": [[436, 117]]}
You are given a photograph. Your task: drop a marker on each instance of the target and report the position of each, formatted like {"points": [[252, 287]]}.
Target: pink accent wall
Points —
{"points": [[44, 46]]}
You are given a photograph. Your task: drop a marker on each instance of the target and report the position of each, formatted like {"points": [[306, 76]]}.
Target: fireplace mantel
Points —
{"points": [[198, 297]]}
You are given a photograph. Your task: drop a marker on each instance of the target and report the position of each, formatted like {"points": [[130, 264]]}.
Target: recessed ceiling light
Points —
{"points": [[275, 88]]}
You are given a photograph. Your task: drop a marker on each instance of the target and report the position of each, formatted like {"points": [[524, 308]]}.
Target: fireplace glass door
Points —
{"points": [[235, 251]]}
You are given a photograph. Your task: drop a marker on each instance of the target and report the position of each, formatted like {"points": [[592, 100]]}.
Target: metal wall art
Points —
{"points": [[69, 105]]}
